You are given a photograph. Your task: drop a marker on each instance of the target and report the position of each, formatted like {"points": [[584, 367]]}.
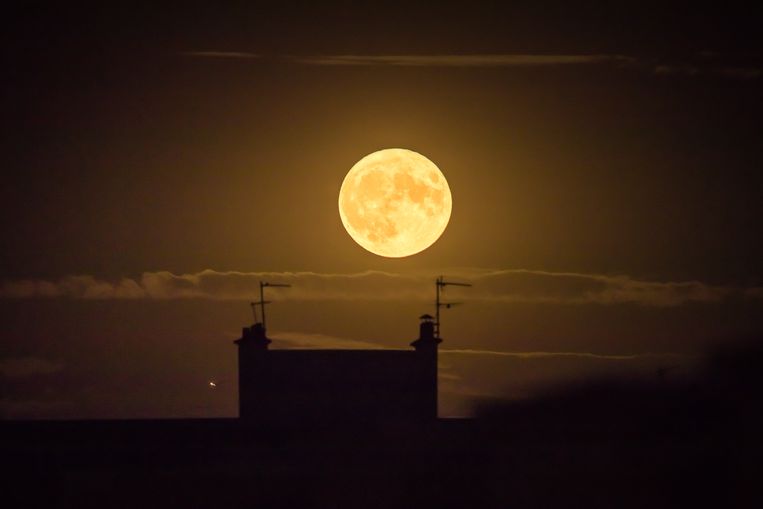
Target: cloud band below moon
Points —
{"points": [[505, 286]]}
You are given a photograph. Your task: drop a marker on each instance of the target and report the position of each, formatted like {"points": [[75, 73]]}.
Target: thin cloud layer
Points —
{"points": [[712, 64], [701, 64], [740, 73], [487, 60], [220, 54], [298, 340], [442, 60], [507, 286], [550, 355]]}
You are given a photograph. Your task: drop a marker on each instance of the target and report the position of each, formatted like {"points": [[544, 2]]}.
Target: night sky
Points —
{"points": [[605, 165]]}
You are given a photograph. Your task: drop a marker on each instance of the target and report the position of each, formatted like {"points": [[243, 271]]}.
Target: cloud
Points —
{"points": [[706, 63], [700, 64], [78, 287], [442, 60], [296, 340], [684, 69], [23, 367], [484, 60], [535, 286], [501, 286], [220, 54], [547, 355]]}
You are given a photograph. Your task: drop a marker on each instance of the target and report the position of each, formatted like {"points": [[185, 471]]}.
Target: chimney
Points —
{"points": [[426, 384], [427, 340], [253, 338], [253, 366]]}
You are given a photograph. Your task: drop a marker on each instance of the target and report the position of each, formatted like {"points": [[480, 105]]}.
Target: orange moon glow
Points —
{"points": [[395, 202]]}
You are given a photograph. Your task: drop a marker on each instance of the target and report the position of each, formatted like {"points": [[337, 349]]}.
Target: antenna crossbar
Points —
{"points": [[262, 302], [440, 285]]}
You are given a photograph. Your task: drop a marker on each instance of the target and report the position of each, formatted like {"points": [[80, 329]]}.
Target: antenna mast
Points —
{"points": [[440, 285], [263, 301]]}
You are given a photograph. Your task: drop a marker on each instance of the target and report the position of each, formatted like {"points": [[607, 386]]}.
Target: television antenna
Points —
{"points": [[262, 302], [440, 285]]}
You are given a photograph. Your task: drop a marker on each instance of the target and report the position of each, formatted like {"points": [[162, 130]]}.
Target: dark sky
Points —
{"points": [[604, 162]]}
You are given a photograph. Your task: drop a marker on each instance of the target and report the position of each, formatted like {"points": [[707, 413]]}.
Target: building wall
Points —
{"points": [[335, 386]]}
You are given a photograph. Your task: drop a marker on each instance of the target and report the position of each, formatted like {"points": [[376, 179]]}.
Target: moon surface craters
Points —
{"points": [[395, 202]]}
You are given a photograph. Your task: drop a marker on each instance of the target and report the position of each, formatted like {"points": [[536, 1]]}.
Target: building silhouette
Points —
{"points": [[334, 387]]}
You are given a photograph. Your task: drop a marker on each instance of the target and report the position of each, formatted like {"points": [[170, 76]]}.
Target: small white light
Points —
{"points": [[212, 384]]}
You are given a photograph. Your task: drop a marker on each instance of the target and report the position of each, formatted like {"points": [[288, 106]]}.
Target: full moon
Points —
{"points": [[395, 202]]}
